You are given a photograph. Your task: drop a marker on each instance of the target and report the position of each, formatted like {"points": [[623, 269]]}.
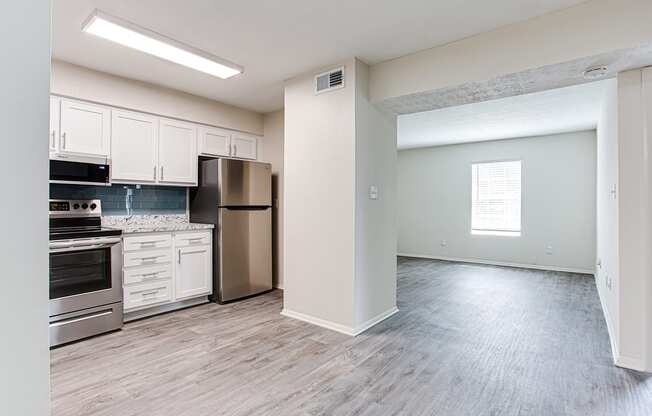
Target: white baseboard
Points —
{"points": [[631, 363], [155, 310], [500, 263], [375, 320], [612, 338], [343, 329]]}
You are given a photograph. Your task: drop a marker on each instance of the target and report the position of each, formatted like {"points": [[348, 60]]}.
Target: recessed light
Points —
{"points": [[595, 72], [128, 34]]}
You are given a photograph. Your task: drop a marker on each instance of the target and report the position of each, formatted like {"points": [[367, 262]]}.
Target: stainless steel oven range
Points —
{"points": [[85, 272]]}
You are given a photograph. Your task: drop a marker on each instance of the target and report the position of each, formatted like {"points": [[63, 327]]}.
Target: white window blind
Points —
{"points": [[496, 198]]}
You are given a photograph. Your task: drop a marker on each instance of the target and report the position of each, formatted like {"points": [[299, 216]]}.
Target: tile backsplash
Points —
{"points": [[127, 199]]}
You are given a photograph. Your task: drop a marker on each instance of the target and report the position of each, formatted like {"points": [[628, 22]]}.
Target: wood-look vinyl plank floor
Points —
{"points": [[469, 340]]}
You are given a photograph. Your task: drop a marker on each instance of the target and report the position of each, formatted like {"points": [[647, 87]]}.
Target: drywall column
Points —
{"points": [[375, 219], [606, 275], [634, 219], [24, 114], [339, 269]]}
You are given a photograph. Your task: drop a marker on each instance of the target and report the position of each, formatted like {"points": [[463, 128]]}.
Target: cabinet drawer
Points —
{"points": [[147, 274], [192, 238], [146, 242], [147, 258], [147, 294]]}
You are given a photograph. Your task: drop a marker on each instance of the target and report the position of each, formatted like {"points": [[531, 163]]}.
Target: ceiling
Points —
{"points": [[277, 39], [549, 112]]}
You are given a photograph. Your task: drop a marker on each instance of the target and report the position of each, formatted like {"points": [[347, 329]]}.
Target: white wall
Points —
{"points": [[375, 220], [24, 82], [84, 83], [558, 192], [588, 29], [273, 153], [607, 210], [319, 194]]}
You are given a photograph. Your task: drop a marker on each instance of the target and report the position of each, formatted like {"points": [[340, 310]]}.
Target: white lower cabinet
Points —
{"points": [[194, 270], [160, 269]]}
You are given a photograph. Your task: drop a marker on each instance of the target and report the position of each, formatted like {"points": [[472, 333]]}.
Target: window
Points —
{"points": [[496, 198]]}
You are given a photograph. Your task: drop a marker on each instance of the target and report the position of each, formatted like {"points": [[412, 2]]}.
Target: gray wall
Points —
{"points": [[559, 202], [24, 107]]}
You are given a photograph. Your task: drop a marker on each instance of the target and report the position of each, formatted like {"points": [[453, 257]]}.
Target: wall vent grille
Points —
{"points": [[329, 81]]}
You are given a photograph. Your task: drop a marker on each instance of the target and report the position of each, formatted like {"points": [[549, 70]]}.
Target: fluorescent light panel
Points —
{"points": [[144, 40]]}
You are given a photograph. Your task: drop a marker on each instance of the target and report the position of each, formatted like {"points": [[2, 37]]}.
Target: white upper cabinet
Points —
{"points": [[53, 137], [214, 142], [134, 143], [177, 152], [244, 146], [84, 129]]}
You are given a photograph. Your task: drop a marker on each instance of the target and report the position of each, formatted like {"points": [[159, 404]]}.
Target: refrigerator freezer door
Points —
{"points": [[244, 183], [245, 252]]}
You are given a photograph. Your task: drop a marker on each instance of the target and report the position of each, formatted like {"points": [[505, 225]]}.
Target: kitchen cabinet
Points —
{"points": [[84, 129], [193, 271], [53, 137], [177, 153], [164, 270], [244, 146], [214, 142], [134, 142]]}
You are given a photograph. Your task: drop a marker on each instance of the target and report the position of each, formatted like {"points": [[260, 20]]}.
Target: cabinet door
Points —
{"points": [[133, 146], [193, 275], [177, 153], [85, 129], [53, 138], [214, 142], [244, 146]]}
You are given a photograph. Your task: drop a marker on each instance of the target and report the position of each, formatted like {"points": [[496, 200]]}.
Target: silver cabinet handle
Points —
{"points": [[54, 134], [63, 140], [161, 172], [151, 293], [154, 172], [149, 276], [235, 150], [179, 256]]}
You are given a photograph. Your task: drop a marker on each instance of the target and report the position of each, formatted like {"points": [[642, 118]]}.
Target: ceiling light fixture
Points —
{"points": [[595, 72], [136, 37]]}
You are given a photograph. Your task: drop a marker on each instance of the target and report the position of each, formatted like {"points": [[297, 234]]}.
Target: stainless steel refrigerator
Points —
{"points": [[236, 196]]}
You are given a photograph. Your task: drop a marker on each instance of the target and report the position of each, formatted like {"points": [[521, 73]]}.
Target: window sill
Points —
{"points": [[496, 233]]}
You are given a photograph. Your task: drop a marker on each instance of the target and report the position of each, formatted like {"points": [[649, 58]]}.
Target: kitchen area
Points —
{"points": [[150, 214]]}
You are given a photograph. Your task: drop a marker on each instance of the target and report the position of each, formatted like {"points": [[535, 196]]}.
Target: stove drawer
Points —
{"points": [[147, 242], [147, 294], [147, 258], [147, 274]]}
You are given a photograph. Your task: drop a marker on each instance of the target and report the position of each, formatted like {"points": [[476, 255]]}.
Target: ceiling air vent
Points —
{"points": [[329, 81]]}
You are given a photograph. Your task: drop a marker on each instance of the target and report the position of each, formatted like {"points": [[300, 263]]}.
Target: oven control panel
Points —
{"points": [[75, 208]]}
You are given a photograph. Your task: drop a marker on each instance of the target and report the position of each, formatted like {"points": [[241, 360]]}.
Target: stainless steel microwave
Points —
{"points": [[80, 173]]}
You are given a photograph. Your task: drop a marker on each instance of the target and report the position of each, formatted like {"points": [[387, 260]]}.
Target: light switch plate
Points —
{"points": [[373, 192]]}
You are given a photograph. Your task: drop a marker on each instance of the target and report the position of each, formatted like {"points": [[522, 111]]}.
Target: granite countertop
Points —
{"points": [[130, 224]]}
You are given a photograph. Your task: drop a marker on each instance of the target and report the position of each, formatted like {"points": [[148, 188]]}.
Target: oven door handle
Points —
{"points": [[61, 247]]}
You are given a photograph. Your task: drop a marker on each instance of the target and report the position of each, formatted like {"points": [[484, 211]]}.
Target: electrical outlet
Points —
{"points": [[549, 250]]}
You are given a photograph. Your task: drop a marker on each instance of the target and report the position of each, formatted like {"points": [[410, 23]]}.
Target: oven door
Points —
{"points": [[85, 273]]}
